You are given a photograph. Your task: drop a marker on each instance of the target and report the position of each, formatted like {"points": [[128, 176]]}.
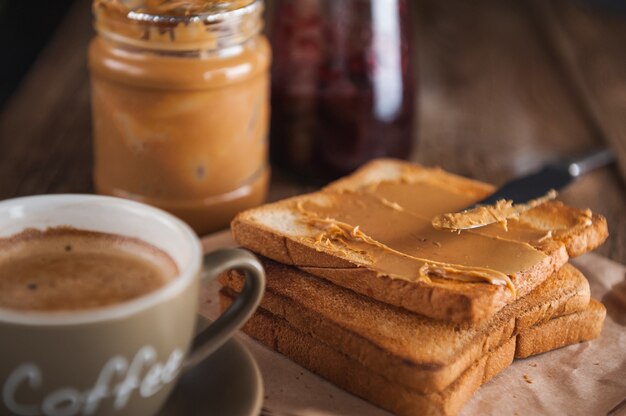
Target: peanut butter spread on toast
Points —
{"points": [[387, 225], [500, 212]]}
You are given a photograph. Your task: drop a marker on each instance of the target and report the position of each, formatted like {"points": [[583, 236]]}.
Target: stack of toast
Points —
{"points": [[362, 290]]}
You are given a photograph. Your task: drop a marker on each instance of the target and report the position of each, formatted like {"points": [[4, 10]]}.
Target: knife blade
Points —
{"points": [[523, 193]]}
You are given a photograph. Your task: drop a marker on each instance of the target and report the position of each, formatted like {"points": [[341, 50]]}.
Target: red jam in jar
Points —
{"points": [[342, 85]]}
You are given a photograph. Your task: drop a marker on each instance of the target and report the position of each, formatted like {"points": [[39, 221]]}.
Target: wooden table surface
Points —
{"points": [[504, 86]]}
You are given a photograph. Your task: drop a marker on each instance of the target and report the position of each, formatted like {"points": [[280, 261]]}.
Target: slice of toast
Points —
{"points": [[281, 232], [352, 376], [423, 354], [561, 331], [344, 371]]}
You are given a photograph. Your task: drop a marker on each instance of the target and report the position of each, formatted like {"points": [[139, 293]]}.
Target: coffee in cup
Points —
{"points": [[65, 268]]}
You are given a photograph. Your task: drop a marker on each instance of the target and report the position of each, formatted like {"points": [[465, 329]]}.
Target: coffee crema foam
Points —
{"points": [[67, 269]]}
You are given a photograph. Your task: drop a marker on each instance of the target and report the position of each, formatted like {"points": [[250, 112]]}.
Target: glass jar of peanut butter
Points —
{"points": [[180, 105]]}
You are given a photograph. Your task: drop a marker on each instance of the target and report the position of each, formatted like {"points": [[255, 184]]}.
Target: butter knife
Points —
{"points": [[523, 193]]}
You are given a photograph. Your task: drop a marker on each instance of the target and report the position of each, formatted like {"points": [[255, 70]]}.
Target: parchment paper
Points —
{"points": [[583, 379]]}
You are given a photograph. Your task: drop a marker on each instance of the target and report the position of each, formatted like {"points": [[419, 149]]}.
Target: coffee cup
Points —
{"points": [[121, 358]]}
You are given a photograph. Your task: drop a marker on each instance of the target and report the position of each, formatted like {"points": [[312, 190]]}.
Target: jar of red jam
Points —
{"points": [[342, 85], [180, 106]]}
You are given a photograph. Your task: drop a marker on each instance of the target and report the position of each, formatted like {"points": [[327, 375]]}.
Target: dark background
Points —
{"points": [[24, 31], [32, 25]]}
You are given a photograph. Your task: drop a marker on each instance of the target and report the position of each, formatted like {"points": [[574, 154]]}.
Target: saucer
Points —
{"points": [[227, 383]]}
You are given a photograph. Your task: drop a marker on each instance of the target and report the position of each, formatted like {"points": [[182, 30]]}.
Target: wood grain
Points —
{"points": [[493, 103], [592, 45]]}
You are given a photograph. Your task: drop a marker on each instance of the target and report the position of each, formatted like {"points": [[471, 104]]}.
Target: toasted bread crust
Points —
{"points": [[578, 236], [344, 371], [348, 374], [351, 323], [443, 299], [562, 331]]}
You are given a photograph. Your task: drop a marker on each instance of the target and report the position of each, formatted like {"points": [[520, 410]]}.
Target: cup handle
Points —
{"points": [[242, 308]]}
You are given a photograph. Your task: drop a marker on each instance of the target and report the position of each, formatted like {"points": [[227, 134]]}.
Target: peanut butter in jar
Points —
{"points": [[180, 106]]}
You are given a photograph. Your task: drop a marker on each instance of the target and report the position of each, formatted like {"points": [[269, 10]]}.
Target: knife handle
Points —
{"points": [[589, 161]]}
